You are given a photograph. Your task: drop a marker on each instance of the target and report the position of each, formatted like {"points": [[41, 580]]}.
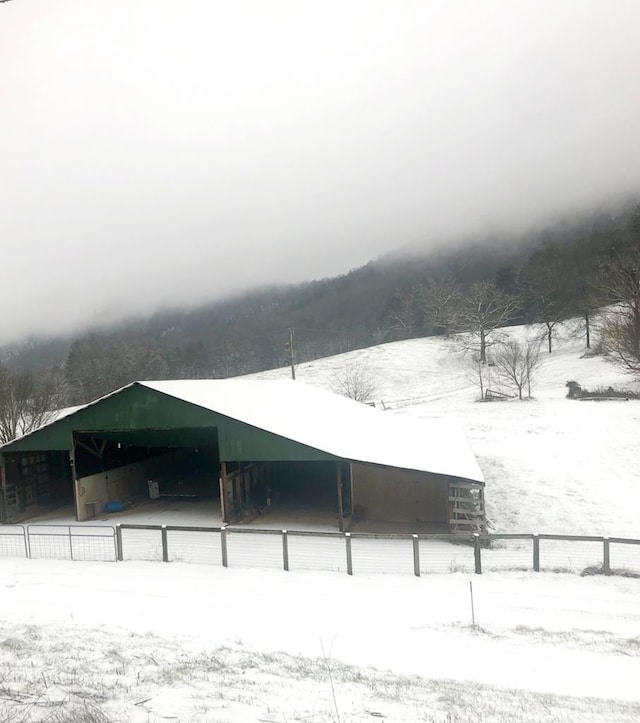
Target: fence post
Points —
{"points": [[606, 559], [285, 550], [536, 552], [416, 556], [476, 553], [119, 552], [27, 553], [165, 545], [223, 547], [347, 539]]}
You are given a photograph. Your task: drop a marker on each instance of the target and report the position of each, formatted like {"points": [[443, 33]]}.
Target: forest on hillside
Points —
{"points": [[564, 270]]}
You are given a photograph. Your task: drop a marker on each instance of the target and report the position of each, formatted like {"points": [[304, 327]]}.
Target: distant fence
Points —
{"points": [[350, 553]]}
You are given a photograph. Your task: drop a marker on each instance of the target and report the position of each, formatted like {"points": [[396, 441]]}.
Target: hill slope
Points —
{"points": [[551, 464]]}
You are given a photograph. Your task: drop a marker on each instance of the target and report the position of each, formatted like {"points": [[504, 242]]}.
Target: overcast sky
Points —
{"points": [[159, 152]]}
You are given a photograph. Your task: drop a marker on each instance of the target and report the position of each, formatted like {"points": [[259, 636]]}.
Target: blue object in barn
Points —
{"points": [[114, 507]]}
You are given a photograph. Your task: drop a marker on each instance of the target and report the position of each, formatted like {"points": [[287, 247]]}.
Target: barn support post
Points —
{"points": [[536, 552], [339, 490], [223, 492], [606, 556], [285, 550], [119, 551], [416, 555], [223, 547], [4, 515], [347, 540], [477, 553], [74, 477], [352, 504], [238, 490], [165, 544]]}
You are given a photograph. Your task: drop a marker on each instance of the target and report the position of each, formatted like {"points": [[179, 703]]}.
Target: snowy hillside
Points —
{"points": [[552, 464]]}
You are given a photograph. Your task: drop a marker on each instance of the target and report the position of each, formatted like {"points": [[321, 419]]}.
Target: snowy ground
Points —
{"points": [[146, 642], [153, 642]]}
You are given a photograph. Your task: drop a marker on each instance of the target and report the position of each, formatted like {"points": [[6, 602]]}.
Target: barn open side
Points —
{"points": [[118, 467]]}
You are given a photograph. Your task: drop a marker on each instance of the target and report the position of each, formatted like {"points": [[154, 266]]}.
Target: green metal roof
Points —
{"points": [[142, 416]]}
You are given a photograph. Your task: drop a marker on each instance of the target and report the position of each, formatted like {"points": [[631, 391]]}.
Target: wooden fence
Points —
{"points": [[350, 553]]}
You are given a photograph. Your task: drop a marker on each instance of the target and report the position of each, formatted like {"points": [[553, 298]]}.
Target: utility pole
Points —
{"points": [[292, 356]]}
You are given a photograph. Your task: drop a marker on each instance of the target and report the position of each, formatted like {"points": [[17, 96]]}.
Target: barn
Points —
{"points": [[246, 447]]}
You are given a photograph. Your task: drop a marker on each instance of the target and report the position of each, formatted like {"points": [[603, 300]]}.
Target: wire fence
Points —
{"points": [[350, 553]]}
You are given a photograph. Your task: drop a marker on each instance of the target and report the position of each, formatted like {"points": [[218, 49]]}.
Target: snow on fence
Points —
{"points": [[351, 553]]}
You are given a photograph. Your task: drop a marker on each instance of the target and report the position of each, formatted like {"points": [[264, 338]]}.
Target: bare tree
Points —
{"points": [[357, 381], [485, 308], [547, 296], [620, 282], [26, 403], [404, 313], [440, 305], [479, 373], [517, 363], [532, 363]]}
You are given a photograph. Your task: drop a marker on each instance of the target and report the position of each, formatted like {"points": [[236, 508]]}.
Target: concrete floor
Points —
{"points": [[198, 512]]}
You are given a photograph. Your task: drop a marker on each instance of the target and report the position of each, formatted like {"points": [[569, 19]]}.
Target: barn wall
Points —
{"points": [[34, 482], [120, 484], [397, 495]]}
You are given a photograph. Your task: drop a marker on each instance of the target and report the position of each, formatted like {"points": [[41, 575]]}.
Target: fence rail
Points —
{"points": [[351, 553]]}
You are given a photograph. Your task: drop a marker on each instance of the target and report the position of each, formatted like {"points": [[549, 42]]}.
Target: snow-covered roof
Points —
{"points": [[332, 423]]}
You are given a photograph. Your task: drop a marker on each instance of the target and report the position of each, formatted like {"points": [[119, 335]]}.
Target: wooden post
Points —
{"points": [[292, 354], [339, 492], [74, 476], [606, 558], [165, 545], [223, 547], [352, 501], [476, 553], [3, 478], [119, 551], [347, 539], [285, 550], [536, 553], [223, 492], [416, 556], [473, 607]]}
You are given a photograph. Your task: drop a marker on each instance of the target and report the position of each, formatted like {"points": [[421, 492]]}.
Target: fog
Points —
{"points": [[157, 153]]}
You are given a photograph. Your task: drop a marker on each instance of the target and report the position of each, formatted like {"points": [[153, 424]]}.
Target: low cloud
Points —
{"points": [[159, 153]]}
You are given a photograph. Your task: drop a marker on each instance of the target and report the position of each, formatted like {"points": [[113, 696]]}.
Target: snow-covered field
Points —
{"points": [[153, 642], [146, 642]]}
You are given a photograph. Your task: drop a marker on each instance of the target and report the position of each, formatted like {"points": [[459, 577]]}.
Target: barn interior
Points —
{"points": [[35, 482], [115, 468], [286, 490]]}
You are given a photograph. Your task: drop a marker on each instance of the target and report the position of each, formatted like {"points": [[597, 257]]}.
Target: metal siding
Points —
{"points": [[243, 443]]}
